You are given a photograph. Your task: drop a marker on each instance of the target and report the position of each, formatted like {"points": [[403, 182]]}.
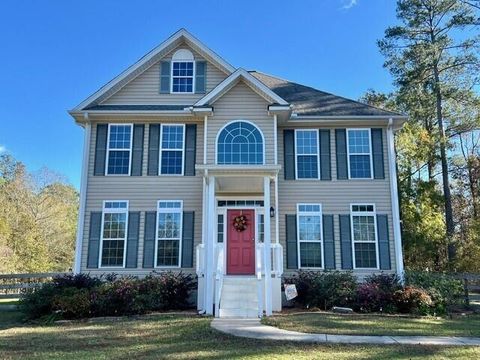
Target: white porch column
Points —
{"points": [[210, 246], [267, 260]]}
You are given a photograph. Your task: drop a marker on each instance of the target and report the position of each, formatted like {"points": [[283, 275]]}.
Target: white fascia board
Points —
{"points": [[146, 58], [231, 80]]}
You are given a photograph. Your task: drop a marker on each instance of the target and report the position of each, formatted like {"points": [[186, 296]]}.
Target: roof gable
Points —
{"points": [[181, 36], [241, 74]]}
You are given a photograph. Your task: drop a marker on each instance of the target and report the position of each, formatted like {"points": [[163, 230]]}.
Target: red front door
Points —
{"points": [[241, 244]]}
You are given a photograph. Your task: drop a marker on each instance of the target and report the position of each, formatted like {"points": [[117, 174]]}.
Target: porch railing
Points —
{"points": [[277, 259], [259, 249], [200, 260], [219, 277]]}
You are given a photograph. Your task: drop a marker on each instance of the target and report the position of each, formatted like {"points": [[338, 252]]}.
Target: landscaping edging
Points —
{"points": [[252, 328]]}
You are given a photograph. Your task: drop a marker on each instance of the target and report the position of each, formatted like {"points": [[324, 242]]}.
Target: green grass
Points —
{"points": [[8, 302], [356, 324], [185, 337]]}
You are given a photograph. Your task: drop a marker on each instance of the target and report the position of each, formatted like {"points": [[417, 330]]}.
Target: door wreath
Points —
{"points": [[240, 222]]}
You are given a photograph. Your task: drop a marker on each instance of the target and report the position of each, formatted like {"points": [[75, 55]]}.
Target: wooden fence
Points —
{"points": [[471, 284], [13, 285]]}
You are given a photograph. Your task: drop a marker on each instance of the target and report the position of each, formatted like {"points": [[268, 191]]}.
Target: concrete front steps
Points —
{"points": [[239, 298]]}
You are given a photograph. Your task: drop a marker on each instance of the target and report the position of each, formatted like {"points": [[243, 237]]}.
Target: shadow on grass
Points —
{"points": [[185, 337]]}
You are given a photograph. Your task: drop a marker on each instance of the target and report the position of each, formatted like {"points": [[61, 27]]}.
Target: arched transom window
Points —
{"points": [[240, 142]]}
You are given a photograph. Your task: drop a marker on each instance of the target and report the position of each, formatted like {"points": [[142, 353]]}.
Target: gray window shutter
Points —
{"points": [[329, 242], [100, 150], [346, 242], [292, 255], [377, 152], [137, 149], [200, 77], [187, 239], [132, 239], [165, 77], [325, 162], [94, 239], [153, 149], [341, 149], [149, 239], [383, 242], [289, 154], [190, 149]]}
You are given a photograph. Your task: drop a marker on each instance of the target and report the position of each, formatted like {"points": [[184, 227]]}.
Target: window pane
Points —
{"points": [[240, 143], [363, 228], [168, 253], [171, 162], [360, 166], [220, 229], [261, 227], [311, 254], [169, 225], [120, 136], [309, 227], [182, 77], [307, 167], [307, 142], [114, 225], [118, 162], [172, 137], [365, 255], [358, 141], [112, 252]]}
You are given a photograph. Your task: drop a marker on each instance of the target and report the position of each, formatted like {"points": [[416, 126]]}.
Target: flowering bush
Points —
{"points": [[376, 293], [77, 296], [412, 299]]}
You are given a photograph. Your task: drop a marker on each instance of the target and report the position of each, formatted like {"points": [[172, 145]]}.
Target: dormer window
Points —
{"points": [[183, 73]]}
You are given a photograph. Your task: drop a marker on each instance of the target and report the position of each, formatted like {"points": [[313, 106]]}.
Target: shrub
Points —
{"points": [[443, 289], [116, 298], [413, 299], [171, 289], [324, 290], [79, 281], [36, 303], [72, 303], [376, 293]]}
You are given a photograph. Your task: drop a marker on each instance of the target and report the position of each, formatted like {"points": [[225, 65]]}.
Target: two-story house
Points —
{"points": [[241, 177]]}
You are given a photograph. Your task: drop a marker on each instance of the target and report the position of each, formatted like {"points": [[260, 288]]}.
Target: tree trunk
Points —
{"points": [[444, 164]]}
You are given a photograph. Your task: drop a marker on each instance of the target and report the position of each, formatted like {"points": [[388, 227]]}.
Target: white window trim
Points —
{"points": [[169, 210], [369, 153], [115, 149], [310, 213], [245, 121], [364, 213], [113, 211], [297, 155], [193, 77], [160, 149]]}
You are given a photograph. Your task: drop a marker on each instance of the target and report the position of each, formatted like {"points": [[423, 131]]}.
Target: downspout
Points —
{"points": [[397, 233], [83, 197]]}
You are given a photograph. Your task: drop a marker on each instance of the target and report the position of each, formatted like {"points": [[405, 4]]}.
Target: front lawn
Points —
{"points": [[359, 324], [185, 337]]}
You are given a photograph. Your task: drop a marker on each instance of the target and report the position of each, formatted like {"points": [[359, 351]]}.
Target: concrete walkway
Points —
{"points": [[252, 328]]}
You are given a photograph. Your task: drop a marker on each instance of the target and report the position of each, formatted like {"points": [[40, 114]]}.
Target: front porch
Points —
{"points": [[240, 260]]}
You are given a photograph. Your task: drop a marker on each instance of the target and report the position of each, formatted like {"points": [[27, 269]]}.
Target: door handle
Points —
{"points": [[253, 239]]}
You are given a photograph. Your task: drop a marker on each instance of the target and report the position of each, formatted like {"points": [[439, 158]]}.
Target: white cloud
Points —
{"points": [[348, 4]]}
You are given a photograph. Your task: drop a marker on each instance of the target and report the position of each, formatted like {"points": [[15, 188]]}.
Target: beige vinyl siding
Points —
{"points": [[145, 88], [143, 192], [240, 103], [335, 196]]}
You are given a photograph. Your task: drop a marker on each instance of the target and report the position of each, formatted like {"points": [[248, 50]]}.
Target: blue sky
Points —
{"points": [[56, 53]]}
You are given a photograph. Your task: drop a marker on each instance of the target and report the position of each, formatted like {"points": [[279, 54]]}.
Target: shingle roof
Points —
{"points": [[309, 101], [137, 107]]}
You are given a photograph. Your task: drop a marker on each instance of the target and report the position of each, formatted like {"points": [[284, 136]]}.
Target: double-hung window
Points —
{"points": [[172, 142], [169, 233], [309, 235], [359, 153], [119, 149], [182, 76], [364, 235], [306, 150], [114, 234]]}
